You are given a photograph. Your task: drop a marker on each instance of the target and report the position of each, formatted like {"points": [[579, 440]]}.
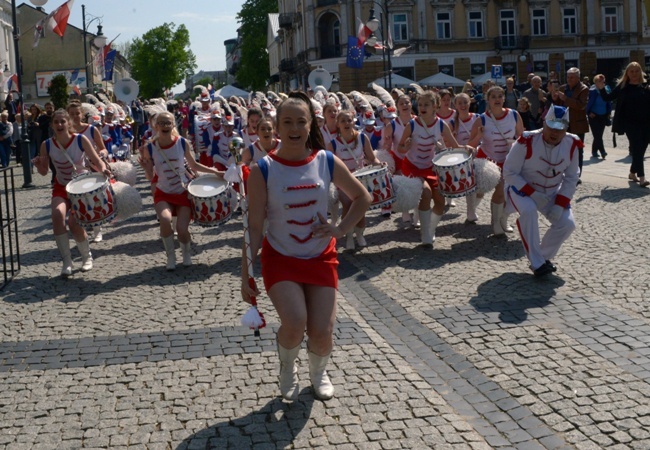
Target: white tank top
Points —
{"points": [[464, 128], [327, 135], [169, 180], [498, 135], [57, 153], [296, 192], [351, 153], [249, 138], [398, 131], [448, 119], [423, 142], [257, 152], [89, 132]]}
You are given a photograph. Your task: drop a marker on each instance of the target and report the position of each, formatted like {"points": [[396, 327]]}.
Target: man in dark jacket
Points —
{"points": [[575, 95]]}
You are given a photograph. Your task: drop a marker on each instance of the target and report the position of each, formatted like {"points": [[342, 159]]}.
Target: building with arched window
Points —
{"points": [[462, 38]]}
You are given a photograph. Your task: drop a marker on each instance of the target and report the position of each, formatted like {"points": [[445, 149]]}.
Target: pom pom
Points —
{"points": [[127, 200], [125, 172], [333, 201], [232, 174], [407, 193], [385, 157], [252, 319], [487, 175]]}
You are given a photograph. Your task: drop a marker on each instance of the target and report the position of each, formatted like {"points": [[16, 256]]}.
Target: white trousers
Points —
{"points": [[539, 251]]}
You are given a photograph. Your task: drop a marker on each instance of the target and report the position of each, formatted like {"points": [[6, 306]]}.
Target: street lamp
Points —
{"points": [[99, 40], [373, 25], [24, 138]]}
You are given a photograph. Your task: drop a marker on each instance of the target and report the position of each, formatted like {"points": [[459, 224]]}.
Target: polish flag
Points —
{"points": [[363, 34], [59, 18]]}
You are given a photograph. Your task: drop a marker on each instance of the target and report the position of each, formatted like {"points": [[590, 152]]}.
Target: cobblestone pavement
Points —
{"points": [[456, 347]]}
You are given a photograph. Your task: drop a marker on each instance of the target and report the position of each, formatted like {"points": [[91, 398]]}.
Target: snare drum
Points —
{"points": [[455, 169], [92, 199], [211, 199], [379, 183]]}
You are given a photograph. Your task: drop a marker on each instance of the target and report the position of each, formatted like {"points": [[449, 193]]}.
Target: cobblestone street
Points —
{"points": [[458, 347]]}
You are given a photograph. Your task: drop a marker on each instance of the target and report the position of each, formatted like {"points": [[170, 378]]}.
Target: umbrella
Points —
{"points": [[230, 90], [397, 81], [442, 80]]}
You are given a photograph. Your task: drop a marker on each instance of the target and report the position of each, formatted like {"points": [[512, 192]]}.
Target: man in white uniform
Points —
{"points": [[541, 174]]}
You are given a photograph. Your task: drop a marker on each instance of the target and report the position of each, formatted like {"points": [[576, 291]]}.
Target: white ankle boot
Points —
{"points": [[97, 234], [321, 383], [86, 256], [406, 219], [472, 204], [361, 241], [63, 244], [504, 223], [497, 211], [289, 387], [416, 218], [425, 228], [168, 242], [349, 241], [187, 253], [435, 219]]}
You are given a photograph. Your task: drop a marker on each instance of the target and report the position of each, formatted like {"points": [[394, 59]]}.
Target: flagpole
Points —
{"points": [[24, 137]]}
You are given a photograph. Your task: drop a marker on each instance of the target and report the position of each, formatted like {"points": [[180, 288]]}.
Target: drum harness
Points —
{"points": [[183, 183]]}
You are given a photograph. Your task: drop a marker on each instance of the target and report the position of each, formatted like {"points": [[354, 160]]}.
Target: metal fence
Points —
{"points": [[8, 226]]}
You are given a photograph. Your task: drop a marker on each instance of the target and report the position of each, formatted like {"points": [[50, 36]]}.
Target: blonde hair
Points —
{"points": [[170, 116], [625, 78]]}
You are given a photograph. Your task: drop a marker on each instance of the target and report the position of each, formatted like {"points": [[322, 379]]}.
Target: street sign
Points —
{"points": [[497, 72]]}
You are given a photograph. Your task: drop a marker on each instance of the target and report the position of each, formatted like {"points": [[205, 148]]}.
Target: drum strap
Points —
{"points": [[497, 126], [74, 166]]}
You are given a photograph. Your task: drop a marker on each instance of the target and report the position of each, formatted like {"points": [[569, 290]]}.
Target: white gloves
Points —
{"points": [[540, 199], [232, 174], [555, 213]]}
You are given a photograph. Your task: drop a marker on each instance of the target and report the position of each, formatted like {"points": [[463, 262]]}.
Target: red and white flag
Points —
{"points": [[363, 34], [59, 18], [12, 83]]}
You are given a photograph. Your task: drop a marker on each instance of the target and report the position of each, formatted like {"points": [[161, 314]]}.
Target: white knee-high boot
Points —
{"points": [[425, 228], [504, 223], [187, 253], [497, 210], [472, 204], [360, 239], [289, 387], [86, 256], [416, 218], [63, 244], [435, 219], [168, 242], [349, 241], [319, 380]]}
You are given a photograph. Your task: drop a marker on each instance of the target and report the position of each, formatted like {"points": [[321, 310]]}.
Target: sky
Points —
{"points": [[210, 22]]}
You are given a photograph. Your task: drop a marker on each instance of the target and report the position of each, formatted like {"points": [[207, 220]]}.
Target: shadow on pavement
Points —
{"points": [[511, 294], [274, 425], [615, 195]]}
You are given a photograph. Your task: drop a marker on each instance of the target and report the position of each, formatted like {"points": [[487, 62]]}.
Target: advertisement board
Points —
{"points": [[74, 77]]}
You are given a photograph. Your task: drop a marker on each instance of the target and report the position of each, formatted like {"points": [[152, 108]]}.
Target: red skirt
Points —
{"points": [[58, 190], [206, 159], [398, 161], [173, 199], [428, 175], [319, 271], [482, 155]]}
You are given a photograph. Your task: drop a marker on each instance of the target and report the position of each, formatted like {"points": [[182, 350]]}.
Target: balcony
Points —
{"points": [[321, 3], [287, 65], [512, 43], [329, 51], [286, 20]]}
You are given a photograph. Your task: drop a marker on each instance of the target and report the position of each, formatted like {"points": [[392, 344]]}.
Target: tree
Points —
{"points": [[58, 91], [161, 59], [254, 70]]}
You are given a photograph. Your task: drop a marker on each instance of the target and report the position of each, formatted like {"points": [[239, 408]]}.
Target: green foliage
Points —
{"points": [[58, 91], [161, 59], [254, 70]]}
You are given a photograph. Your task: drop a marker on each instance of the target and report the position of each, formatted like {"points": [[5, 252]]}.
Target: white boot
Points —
{"points": [[450, 203], [406, 219], [168, 242], [289, 387], [63, 244], [425, 228], [174, 220], [86, 256], [361, 241], [435, 219], [319, 380], [472, 203], [97, 234], [187, 253], [504, 223], [497, 211], [416, 218], [349, 241]]}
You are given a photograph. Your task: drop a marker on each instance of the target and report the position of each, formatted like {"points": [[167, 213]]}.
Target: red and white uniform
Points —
{"points": [[57, 153], [249, 137], [534, 166], [448, 118], [327, 134], [170, 173], [220, 151], [351, 153], [498, 136], [257, 152], [423, 142], [90, 131], [398, 130], [464, 128], [108, 131], [202, 122]]}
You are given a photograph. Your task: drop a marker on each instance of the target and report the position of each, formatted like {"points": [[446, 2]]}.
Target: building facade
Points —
{"points": [[7, 59], [462, 38]]}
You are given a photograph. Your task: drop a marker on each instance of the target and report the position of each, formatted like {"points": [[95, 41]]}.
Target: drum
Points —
{"points": [[455, 169], [92, 199], [379, 183], [211, 199]]}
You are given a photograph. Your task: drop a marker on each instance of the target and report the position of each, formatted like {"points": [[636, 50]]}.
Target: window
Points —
{"points": [[539, 22], [569, 21], [476, 24], [610, 15], [507, 28], [400, 28], [443, 25]]}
